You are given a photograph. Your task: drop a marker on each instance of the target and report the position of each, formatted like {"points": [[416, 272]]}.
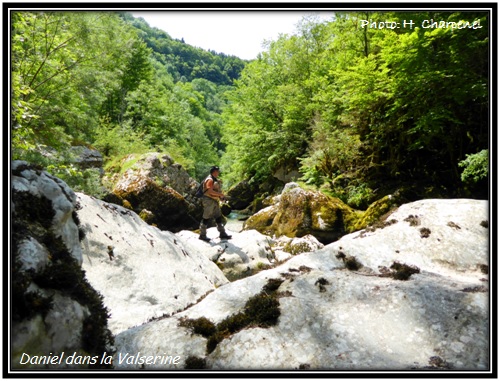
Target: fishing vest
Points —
{"points": [[216, 187]]}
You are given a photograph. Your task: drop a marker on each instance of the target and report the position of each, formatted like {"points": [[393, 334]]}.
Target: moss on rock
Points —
{"points": [[201, 326], [297, 248], [60, 274], [147, 216], [298, 212], [168, 209], [152, 181], [376, 212], [194, 362], [262, 221], [260, 310], [402, 271]]}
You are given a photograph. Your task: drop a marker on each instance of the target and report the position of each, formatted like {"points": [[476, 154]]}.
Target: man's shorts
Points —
{"points": [[211, 208]]}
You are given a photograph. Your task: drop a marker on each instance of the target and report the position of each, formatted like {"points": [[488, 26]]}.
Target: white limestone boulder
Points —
{"points": [[142, 272], [41, 184], [248, 251], [286, 247], [54, 310], [333, 318], [449, 237], [244, 254]]}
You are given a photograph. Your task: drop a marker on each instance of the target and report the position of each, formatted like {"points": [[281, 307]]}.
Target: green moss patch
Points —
{"points": [[201, 326], [402, 271], [33, 217], [321, 283], [350, 262], [376, 212], [380, 225], [412, 220], [272, 285], [301, 269], [453, 225], [194, 362], [425, 232], [147, 216], [484, 268], [261, 310], [475, 289], [436, 362], [262, 221], [65, 275]]}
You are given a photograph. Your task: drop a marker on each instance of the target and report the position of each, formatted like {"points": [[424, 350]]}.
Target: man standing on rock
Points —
{"points": [[211, 209]]}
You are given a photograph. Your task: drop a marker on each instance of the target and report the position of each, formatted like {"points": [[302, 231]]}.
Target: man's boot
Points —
{"points": [[222, 231], [203, 233]]}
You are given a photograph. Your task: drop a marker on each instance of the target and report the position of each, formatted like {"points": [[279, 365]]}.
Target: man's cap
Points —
{"points": [[214, 168]]}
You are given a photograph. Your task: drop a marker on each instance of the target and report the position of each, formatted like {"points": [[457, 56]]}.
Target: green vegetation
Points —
{"points": [[193, 362], [475, 167], [109, 81], [184, 62], [362, 112], [475, 173], [403, 271], [261, 310], [33, 218], [201, 326], [358, 112], [321, 283]]}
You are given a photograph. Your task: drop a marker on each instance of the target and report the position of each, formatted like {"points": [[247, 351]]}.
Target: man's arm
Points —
{"points": [[211, 192]]}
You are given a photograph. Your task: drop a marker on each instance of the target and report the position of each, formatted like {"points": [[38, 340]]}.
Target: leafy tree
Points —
{"points": [[113, 140], [269, 118], [432, 106], [475, 167], [400, 92], [364, 110], [90, 78], [187, 61], [136, 69], [62, 65], [359, 111]]}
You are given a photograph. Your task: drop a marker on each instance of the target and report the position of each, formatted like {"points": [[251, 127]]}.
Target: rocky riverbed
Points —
{"points": [[406, 294]]}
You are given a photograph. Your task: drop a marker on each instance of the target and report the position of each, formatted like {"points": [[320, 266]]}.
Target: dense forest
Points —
{"points": [[357, 111], [110, 81]]}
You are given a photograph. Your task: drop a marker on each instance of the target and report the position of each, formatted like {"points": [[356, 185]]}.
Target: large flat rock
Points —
{"points": [[334, 318], [141, 271]]}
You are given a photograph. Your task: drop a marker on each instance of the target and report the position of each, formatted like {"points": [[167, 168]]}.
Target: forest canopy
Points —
{"points": [[361, 111], [107, 80], [356, 109]]}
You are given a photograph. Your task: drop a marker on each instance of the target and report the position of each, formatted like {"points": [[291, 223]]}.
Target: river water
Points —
{"points": [[233, 221]]}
